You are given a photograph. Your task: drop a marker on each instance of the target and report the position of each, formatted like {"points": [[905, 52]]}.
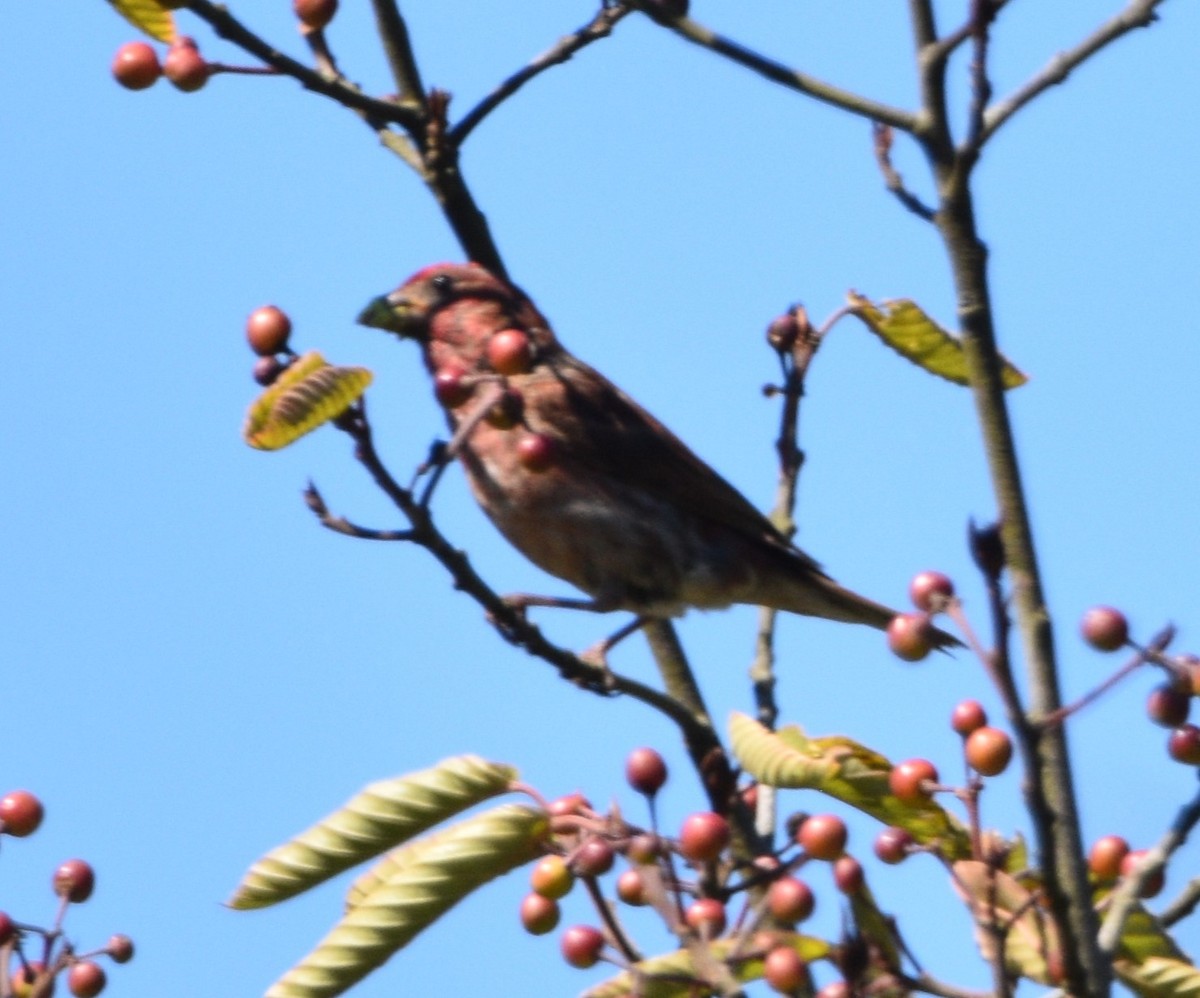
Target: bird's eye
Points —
{"points": [[441, 283]]}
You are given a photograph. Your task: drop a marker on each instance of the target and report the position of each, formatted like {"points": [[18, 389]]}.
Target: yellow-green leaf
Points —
{"points": [[669, 975], [148, 16], [381, 816], [904, 327], [995, 898], [843, 769], [1143, 938], [440, 871], [307, 394], [1160, 977]]}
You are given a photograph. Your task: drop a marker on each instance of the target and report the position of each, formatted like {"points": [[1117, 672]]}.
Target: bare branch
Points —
{"points": [[810, 86], [1125, 897], [232, 30], [396, 46], [598, 27], [891, 176], [1139, 14]]}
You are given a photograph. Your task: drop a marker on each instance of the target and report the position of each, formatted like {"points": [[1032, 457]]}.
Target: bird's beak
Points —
{"points": [[394, 314]]}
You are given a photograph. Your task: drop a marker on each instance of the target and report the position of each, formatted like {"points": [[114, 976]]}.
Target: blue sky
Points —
{"points": [[195, 670]]}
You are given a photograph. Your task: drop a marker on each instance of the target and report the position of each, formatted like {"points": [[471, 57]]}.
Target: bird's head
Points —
{"points": [[452, 309]]}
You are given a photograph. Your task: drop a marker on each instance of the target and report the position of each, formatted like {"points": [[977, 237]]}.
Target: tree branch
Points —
{"points": [[598, 27], [232, 30], [810, 86], [396, 46], [1139, 14]]}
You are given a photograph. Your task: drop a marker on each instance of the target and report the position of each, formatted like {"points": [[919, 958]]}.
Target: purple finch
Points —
{"points": [[582, 480]]}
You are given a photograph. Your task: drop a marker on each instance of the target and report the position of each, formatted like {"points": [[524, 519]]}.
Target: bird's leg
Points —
{"points": [[598, 653]]}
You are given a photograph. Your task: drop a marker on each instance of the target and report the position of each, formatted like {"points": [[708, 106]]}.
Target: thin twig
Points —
{"points": [[1183, 905], [981, 86], [393, 32], [1123, 900], [892, 180], [598, 27], [810, 86], [1138, 14], [232, 30]]}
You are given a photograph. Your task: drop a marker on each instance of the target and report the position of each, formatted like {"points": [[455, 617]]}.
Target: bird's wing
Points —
{"points": [[611, 433]]}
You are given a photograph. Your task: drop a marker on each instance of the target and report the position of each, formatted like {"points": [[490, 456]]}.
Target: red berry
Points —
{"points": [[907, 780], [267, 330], [892, 845], [783, 331], [706, 916], [451, 387], [570, 804], [1183, 745], [581, 946], [537, 452], [646, 771], [930, 591], [910, 636], [1168, 705], [75, 880], [644, 848], [7, 927], [1106, 856], [551, 877], [848, 875], [967, 716], [784, 970], [593, 859], [790, 900], [86, 979], [704, 836], [631, 887], [510, 352], [1104, 628], [120, 948], [539, 914], [823, 836], [185, 67], [315, 14], [1131, 862], [988, 751], [135, 66], [20, 813], [267, 370]]}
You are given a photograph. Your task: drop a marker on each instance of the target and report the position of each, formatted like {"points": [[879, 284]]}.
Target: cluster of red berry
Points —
{"points": [[587, 845], [21, 814]]}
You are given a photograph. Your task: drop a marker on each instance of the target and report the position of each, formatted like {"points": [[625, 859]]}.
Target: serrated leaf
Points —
{"points": [[147, 16], [1159, 977], [441, 870], [1142, 938], [670, 975], [380, 817], [307, 394], [904, 327], [843, 769], [995, 898]]}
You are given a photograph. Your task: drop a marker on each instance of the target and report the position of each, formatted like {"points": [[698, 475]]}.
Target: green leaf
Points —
{"points": [[904, 327], [148, 16], [1160, 977], [381, 816], [670, 975], [843, 769], [440, 871], [309, 393]]}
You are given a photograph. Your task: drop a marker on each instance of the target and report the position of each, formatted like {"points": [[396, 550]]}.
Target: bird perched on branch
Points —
{"points": [[581, 479]]}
